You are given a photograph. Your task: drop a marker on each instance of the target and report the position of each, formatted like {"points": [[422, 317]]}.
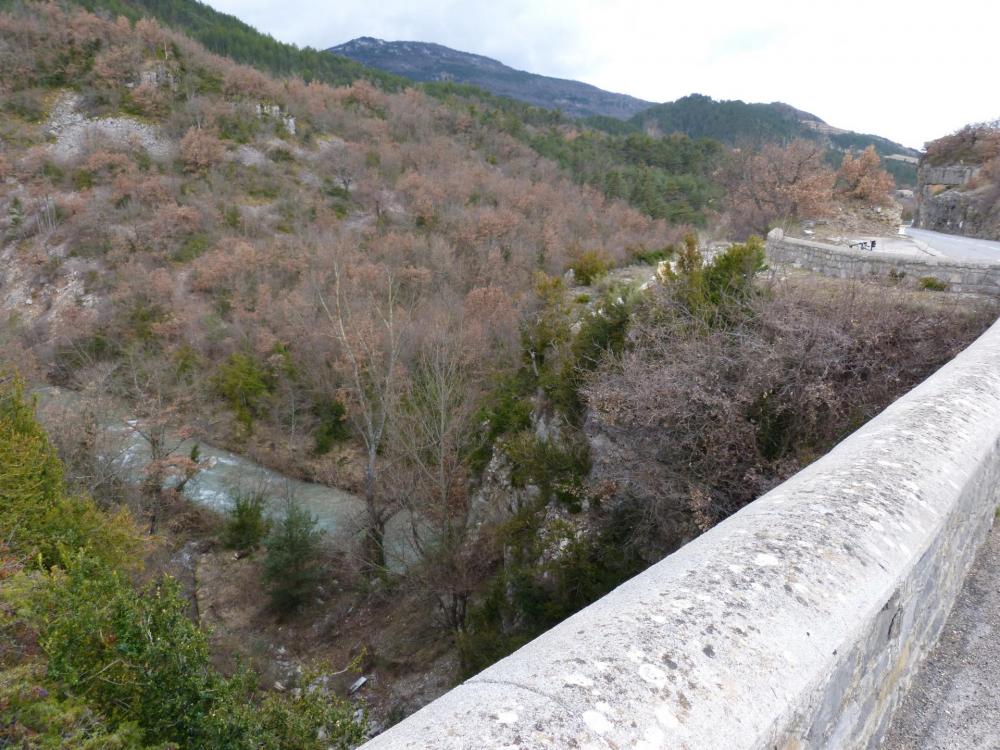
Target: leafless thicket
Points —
{"points": [[703, 421]]}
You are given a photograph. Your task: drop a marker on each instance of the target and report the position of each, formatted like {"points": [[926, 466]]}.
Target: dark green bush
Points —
{"points": [[730, 276], [245, 385], [505, 411], [292, 565], [932, 284], [191, 248], [247, 525], [332, 426], [589, 266], [280, 154], [653, 257], [538, 589], [557, 469]]}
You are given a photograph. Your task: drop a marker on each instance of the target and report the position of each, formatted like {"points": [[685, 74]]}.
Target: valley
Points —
{"points": [[327, 383]]}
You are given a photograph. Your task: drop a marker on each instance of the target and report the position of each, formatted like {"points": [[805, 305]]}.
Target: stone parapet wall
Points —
{"points": [[797, 623], [847, 263]]}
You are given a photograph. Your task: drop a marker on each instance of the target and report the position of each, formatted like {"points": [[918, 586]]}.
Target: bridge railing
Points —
{"points": [[796, 623]]}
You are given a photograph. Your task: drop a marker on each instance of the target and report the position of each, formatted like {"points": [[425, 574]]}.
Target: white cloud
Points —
{"points": [[910, 70]]}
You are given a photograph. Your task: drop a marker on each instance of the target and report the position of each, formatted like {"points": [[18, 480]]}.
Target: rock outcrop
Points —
{"points": [[958, 190]]}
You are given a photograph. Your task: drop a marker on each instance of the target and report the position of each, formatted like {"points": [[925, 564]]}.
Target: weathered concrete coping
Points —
{"points": [[795, 623]]}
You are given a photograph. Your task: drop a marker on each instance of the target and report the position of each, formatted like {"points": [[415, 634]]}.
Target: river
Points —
{"points": [[338, 513]]}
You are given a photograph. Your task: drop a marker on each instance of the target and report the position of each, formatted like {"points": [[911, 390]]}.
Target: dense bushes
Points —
{"points": [[89, 661], [551, 572], [702, 414], [38, 520], [245, 385]]}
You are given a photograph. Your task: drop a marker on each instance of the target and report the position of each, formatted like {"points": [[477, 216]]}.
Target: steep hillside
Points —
{"points": [[736, 122], [422, 61], [259, 264], [227, 35], [434, 304], [728, 121], [134, 154], [697, 116]]}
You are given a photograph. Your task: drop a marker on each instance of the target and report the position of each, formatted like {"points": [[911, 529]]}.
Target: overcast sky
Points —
{"points": [[907, 70]]}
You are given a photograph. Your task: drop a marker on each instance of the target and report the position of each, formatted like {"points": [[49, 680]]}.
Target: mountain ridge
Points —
{"points": [[730, 121], [428, 61]]}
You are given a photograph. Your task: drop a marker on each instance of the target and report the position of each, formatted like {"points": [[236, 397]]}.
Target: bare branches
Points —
{"points": [[774, 184], [369, 328], [698, 421]]}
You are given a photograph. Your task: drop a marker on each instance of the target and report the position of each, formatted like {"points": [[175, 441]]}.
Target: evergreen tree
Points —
{"points": [[291, 568]]}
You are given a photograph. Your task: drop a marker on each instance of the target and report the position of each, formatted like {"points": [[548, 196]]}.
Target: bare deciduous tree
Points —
{"points": [[368, 324], [160, 405], [861, 177], [774, 184], [430, 438]]}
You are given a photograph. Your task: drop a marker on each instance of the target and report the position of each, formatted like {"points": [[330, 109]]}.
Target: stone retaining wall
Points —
{"points": [[796, 623], [847, 263]]}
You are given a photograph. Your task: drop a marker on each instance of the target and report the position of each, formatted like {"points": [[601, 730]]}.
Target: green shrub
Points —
{"points": [[153, 660], [53, 171], [291, 568], [538, 589], [332, 426], [247, 525], [37, 519], [245, 385], [141, 318], [83, 179], [33, 717], [717, 292], [505, 411], [589, 266], [240, 126], [653, 257], [191, 248], [730, 276], [932, 284], [557, 469], [280, 155], [135, 662]]}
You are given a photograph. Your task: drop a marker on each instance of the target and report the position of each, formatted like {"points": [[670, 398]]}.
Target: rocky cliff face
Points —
{"points": [[950, 200], [958, 184]]}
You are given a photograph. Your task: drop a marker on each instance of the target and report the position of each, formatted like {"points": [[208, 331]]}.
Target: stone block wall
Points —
{"points": [[847, 263]]}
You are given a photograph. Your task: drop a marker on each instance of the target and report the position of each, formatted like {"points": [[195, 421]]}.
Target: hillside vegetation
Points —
{"points": [[226, 35], [491, 328], [743, 124]]}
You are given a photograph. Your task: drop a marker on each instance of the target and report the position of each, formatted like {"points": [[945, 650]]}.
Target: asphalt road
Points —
{"points": [[954, 702], [957, 247]]}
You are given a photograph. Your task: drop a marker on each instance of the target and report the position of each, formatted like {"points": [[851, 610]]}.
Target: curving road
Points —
{"points": [[957, 247]]}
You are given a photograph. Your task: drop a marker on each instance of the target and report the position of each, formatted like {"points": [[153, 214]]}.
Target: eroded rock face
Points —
{"points": [[973, 213], [71, 131], [951, 199]]}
